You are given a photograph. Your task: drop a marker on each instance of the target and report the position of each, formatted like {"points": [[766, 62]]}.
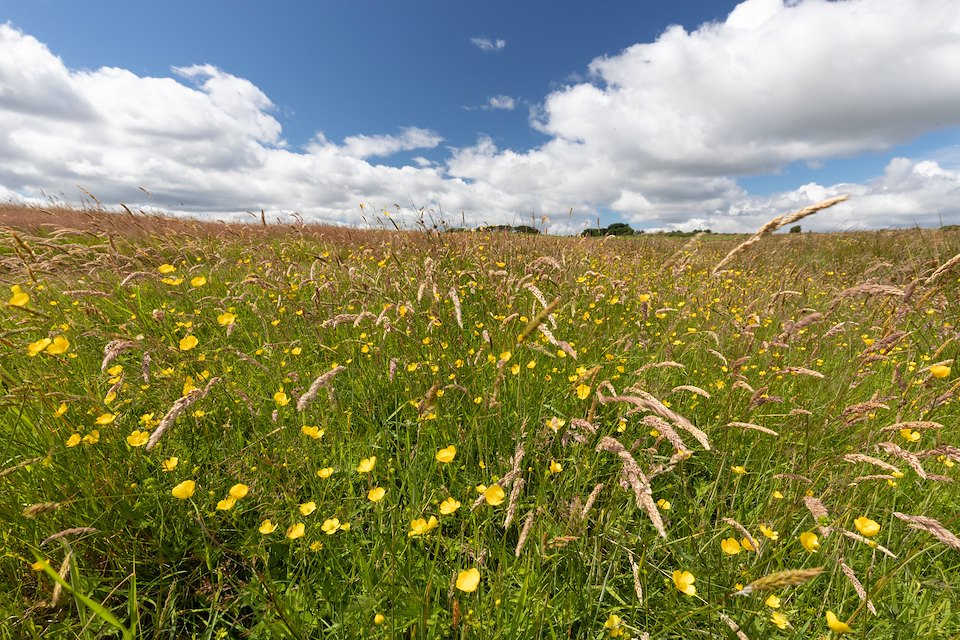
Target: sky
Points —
{"points": [[664, 115]]}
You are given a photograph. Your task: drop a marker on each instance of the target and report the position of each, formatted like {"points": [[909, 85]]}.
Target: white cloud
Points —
{"points": [[659, 134], [486, 44], [505, 103]]}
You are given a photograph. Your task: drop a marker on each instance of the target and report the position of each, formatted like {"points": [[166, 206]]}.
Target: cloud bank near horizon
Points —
{"points": [[659, 134]]}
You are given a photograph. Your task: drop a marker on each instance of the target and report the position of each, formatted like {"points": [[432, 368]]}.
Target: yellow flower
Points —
{"points": [[170, 463], [615, 625], [446, 455], [835, 625], [39, 565], [730, 546], [468, 580], [92, 438], [308, 507], [58, 346], [449, 506], [770, 533], [378, 619], [281, 398], [555, 467], [325, 473], [772, 601], [664, 504], [583, 391], [420, 526], [776, 495], [105, 419], [138, 438], [739, 470], [20, 298], [73, 440], [226, 319], [940, 371], [36, 347], [184, 490], [780, 620], [745, 541], [166, 269], [684, 580], [866, 526], [266, 527], [366, 465], [226, 504], [314, 432], [494, 494], [909, 435], [810, 541], [62, 409], [199, 281], [239, 491], [376, 494], [330, 526], [296, 531], [188, 342]]}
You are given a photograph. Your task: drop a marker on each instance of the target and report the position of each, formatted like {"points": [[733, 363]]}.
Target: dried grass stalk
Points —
{"points": [[524, 532], [178, 407], [859, 457], [743, 531], [867, 541], [67, 532], [857, 586], [753, 427], [113, 349], [780, 580], [869, 289], [904, 455], [635, 479], [931, 526], [775, 224], [916, 425], [734, 627], [942, 269], [320, 383]]}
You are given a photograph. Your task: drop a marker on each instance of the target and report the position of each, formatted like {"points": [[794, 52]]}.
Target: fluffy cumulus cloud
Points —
{"points": [[659, 134]]}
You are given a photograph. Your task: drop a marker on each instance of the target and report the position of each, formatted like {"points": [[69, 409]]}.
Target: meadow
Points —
{"points": [[284, 431]]}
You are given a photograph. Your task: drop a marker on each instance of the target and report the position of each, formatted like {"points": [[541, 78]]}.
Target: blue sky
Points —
{"points": [[603, 108]]}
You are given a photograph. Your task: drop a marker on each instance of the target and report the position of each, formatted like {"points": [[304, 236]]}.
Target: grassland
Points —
{"points": [[213, 431]]}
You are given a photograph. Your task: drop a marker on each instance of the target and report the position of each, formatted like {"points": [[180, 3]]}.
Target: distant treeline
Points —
{"points": [[615, 229]]}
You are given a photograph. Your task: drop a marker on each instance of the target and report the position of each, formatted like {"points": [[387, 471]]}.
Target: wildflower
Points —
{"points": [[772, 601], [366, 465], [376, 494], [314, 432], [73, 440], [835, 625], [188, 342], [745, 541], [308, 507], [494, 494], [296, 531], [909, 435], [449, 506], [421, 526], [739, 470], [92, 438], [446, 455], [866, 526], [266, 527], [556, 423], [730, 546], [62, 409], [378, 619], [330, 526], [468, 580], [239, 491], [226, 504], [39, 565], [810, 541], [57, 346], [555, 467], [138, 438], [36, 347], [166, 269], [770, 533], [583, 391], [184, 490], [780, 620], [226, 319], [940, 371], [776, 495], [281, 398], [105, 419], [199, 281], [170, 463], [664, 504], [20, 298], [683, 581], [325, 473], [614, 625]]}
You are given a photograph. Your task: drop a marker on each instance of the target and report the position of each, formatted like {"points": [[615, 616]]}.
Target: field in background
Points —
{"points": [[292, 432]]}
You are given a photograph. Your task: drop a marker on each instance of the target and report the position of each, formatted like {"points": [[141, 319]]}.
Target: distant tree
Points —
{"points": [[619, 229], [795, 229]]}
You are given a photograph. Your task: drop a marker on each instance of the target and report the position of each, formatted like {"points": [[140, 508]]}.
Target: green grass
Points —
{"points": [[161, 567]]}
